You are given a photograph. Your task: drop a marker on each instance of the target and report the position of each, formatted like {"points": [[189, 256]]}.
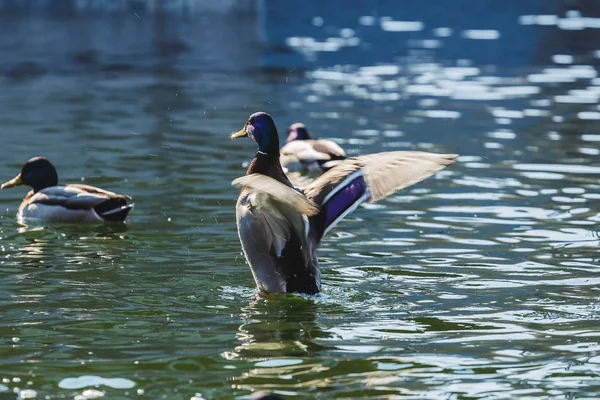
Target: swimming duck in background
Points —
{"points": [[280, 227], [301, 152], [69, 203]]}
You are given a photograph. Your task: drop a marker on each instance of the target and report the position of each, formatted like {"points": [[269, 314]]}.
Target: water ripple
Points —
{"points": [[480, 282]]}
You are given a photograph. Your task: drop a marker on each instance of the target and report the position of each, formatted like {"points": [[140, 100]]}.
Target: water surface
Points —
{"points": [[481, 282]]}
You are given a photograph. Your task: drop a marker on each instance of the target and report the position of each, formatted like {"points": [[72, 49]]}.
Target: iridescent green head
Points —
{"points": [[261, 128], [38, 173]]}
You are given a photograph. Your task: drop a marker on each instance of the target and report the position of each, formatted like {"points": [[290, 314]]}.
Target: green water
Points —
{"points": [[481, 282]]}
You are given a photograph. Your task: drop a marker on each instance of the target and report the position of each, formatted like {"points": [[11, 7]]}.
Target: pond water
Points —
{"points": [[482, 282]]}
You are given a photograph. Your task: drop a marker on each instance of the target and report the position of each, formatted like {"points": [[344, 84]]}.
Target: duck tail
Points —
{"points": [[114, 209], [117, 215]]}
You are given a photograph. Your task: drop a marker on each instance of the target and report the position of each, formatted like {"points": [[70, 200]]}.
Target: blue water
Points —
{"points": [[481, 282]]}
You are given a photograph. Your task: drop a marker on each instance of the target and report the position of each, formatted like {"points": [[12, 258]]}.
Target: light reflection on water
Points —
{"points": [[479, 282]]}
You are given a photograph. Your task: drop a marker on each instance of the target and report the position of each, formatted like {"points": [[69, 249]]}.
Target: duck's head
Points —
{"points": [[38, 173], [297, 131], [261, 128]]}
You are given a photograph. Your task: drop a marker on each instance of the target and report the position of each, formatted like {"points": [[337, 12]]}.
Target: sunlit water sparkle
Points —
{"points": [[481, 282]]}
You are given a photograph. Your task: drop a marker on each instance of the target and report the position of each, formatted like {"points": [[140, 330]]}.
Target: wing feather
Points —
{"points": [[278, 191], [98, 191], [367, 178], [384, 173], [68, 197]]}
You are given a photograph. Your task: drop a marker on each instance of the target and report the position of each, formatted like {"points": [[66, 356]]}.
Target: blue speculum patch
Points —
{"points": [[344, 199]]}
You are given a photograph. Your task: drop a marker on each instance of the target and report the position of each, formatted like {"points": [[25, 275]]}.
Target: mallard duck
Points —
{"points": [[301, 152], [69, 203], [280, 227]]}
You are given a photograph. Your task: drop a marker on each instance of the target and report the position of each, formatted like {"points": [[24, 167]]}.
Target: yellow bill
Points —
{"points": [[16, 181], [241, 133]]}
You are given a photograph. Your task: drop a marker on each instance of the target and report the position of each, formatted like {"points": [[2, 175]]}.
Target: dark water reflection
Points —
{"points": [[479, 283]]}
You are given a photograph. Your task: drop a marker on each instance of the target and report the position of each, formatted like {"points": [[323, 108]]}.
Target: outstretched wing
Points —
{"points": [[368, 178], [278, 191]]}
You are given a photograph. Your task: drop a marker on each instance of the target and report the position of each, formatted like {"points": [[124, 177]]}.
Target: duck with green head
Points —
{"points": [[49, 201], [280, 227]]}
